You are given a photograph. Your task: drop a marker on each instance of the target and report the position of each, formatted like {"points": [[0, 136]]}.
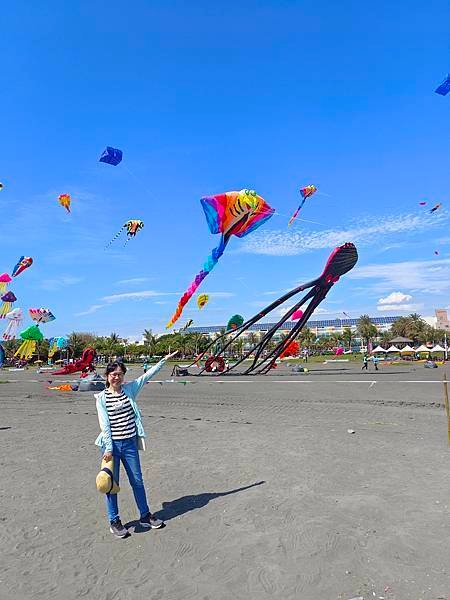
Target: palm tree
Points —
{"points": [[366, 329], [347, 337], [150, 341]]}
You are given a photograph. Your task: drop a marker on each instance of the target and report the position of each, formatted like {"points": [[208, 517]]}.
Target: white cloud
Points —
{"points": [[399, 307], [60, 282], [92, 309], [395, 298], [135, 295], [369, 231], [134, 280], [430, 277]]}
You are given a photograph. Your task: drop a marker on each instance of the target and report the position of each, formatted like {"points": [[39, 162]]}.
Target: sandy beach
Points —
{"points": [[264, 492]]}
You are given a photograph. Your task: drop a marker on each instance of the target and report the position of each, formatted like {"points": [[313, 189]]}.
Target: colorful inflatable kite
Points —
{"points": [[65, 200], [435, 208], [15, 318], [298, 314], [232, 213], [234, 322], [112, 156], [305, 192], [444, 88], [132, 227], [41, 315], [5, 308], [56, 344], [4, 280], [202, 299], [30, 336], [23, 263]]}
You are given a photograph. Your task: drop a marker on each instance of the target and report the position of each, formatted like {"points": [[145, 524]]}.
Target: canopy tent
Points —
{"points": [[422, 348], [393, 349], [378, 349], [400, 340], [407, 350], [437, 348]]}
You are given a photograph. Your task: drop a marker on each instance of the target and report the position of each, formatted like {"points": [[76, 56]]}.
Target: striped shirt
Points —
{"points": [[121, 415]]}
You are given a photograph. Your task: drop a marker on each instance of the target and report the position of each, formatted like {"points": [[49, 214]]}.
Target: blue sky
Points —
{"points": [[207, 97]]}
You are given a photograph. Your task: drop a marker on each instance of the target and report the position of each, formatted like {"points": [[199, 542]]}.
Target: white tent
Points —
{"points": [[393, 349], [378, 349], [407, 350], [437, 348], [422, 348]]}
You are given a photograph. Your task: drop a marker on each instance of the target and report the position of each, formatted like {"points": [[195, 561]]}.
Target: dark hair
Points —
{"points": [[110, 367]]}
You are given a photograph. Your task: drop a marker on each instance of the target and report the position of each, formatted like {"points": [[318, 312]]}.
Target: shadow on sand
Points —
{"points": [[185, 504]]}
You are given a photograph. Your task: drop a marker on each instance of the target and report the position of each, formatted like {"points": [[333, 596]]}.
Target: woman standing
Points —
{"points": [[122, 435]]}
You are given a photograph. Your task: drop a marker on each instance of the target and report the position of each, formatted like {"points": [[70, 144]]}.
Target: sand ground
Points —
{"points": [[265, 493]]}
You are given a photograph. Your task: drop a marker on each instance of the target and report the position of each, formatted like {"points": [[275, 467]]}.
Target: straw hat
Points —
{"points": [[104, 480]]}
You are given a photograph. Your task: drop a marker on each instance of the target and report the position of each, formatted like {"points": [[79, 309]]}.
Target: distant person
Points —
{"points": [[365, 363], [146, 365], [375, 362], [122, 435]]}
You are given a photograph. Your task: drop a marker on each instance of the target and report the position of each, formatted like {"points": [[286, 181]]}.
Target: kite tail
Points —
{"points": [[115, 237], [208, 266], [294, 216]]}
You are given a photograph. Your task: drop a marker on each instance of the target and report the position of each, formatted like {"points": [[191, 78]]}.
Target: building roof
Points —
{"points": [[400, 340], [339, 323]]}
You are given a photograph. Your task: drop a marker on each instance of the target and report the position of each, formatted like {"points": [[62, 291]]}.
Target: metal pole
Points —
{"points": [[446, 405]]}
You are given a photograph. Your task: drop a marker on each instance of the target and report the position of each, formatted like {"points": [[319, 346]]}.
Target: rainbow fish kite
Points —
{"points": [[23, 263], [65, 200], [305, 192], [232, 213]]}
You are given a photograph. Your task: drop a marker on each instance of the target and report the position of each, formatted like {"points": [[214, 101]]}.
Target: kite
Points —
{"points": [[187, 325], [64, 200], [202, 299], [15, 319], [5, 308], [305, 192], [1, 185], [265, 351], [58, 343], [235, 322], [422, 203], [2, 355], [41, 315], [112, 156], [23, 263], [291, 349], [4, 280], [30, 336], [83, 364], [436, 252], [298, 314], [346, 315], [435, 208], [232, 213], [132, 227], [444, 88]]}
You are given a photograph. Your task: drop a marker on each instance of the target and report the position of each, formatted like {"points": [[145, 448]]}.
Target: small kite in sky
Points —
{"points": [[435, 208], [305, 192], [8, 299], [436, 252], [186, 325], [444, 88], [112, 156], [202, 299], [23, 263], [422, 203], [4, 280], [232, 213], [1, 185], [132, 227], [15, 318], [64, 200], [346, 315]]}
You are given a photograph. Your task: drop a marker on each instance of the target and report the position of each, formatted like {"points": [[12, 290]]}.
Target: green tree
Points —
{"points": [[347, 337], [366, 329], [150, 341]]}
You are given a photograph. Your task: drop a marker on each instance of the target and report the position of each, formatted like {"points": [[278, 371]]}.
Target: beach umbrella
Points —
{"points": [[438, 348], [393, 349], [378, 349], [422, 348]]}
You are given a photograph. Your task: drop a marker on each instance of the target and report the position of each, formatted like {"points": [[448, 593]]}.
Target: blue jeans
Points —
{"points": [[127, 452]]}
